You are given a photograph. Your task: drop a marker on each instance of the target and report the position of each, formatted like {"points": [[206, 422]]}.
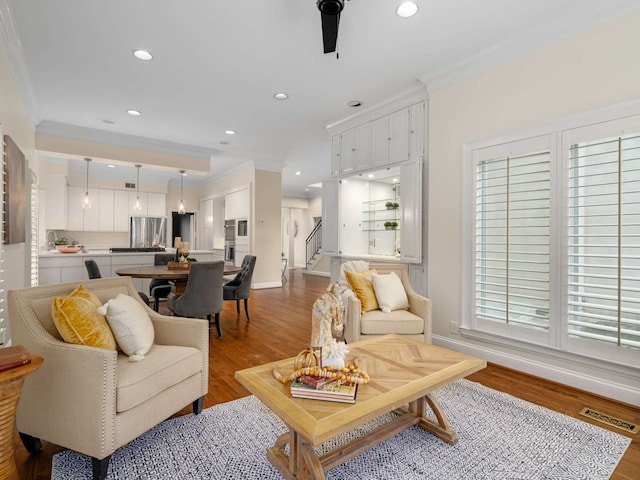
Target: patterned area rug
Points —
{"points": [[501, 437]]}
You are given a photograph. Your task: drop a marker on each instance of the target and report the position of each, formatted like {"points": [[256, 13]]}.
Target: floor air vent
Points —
{"points": [[609, 420]]}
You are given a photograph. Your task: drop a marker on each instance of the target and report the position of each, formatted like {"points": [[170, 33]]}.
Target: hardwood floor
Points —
{"points": [[280, 328]]}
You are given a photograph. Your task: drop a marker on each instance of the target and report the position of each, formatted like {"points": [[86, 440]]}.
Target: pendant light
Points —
{"points": [[86, 201], [181, 206], [137, 205]]}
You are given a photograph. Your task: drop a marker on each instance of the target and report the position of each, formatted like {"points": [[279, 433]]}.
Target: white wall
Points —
{"points": [[589, 70]]}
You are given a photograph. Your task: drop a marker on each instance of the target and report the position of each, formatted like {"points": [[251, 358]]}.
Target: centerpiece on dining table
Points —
{"points": [[182, 261]]}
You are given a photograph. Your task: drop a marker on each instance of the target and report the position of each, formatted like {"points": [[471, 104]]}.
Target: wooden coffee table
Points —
{"points": [[403, 374]]}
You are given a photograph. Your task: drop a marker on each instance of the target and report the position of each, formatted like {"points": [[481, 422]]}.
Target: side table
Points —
{"points": [[11, 382]]}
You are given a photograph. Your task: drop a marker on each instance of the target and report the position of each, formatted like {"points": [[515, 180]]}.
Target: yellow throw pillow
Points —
{"points": [[77, 319], [362, 286]]}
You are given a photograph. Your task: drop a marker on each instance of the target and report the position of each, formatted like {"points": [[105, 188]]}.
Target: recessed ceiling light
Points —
{"points": [[306, 189], [111, 166], [280, 96], [109, 122], [142, 54], [135, 113], [230, 132], [298, 172], [371, 175], [355, 103], [407, 9], [395, 180]]}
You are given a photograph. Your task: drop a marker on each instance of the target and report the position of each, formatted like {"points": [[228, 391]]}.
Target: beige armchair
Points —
{"points": [[414, 322], [94, 400]]}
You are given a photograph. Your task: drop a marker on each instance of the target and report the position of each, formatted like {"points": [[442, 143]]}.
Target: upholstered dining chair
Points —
{"points": [[159, 288], [203, 294], [94, 272], [240, 287]]}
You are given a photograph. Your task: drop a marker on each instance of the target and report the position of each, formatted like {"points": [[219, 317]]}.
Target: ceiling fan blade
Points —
{"points": [[330, 31]]}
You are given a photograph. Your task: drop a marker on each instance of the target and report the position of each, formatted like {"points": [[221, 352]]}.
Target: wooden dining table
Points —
{"points": [[178, 276]]}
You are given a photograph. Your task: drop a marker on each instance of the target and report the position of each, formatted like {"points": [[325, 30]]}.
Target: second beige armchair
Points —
{"points": [[415, 322]]}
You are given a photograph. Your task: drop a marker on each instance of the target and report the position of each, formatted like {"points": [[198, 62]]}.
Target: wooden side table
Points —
{"points": [[11, 382]]}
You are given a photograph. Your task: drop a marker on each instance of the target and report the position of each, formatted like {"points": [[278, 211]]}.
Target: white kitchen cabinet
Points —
{"points": [[206, 224], [120, 211], [411, 211], [380, 142], [156, 204], [132, 212], [105, 211], [75, 215], [330, 217], [417, 131], [363, 147], [399, 136], [237, 204], [347, 151], [56, 205], [390, 139], [336, 141]]}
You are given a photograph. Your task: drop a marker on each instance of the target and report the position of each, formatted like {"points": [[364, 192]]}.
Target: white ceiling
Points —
{"points": [[218, 63]]}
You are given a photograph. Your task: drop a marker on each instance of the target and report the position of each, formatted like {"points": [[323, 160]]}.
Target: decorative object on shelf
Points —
{"points": [[396, 205], [68, 248], [86, 200], [327, 316], [350, 373], [138, 205], [394, 225], [389, 205], [334, 353], [181, 208]]}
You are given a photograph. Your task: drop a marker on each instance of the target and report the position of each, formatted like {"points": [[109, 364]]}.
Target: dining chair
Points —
{"points": [[94, 272], [160, 288], [240, 287], [202, 296]]}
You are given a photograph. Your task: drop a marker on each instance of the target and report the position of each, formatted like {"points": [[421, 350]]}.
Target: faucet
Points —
{"points": [[51, 244]]}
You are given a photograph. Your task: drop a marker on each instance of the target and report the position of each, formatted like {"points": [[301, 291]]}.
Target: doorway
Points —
{"points": [[183, 226]]}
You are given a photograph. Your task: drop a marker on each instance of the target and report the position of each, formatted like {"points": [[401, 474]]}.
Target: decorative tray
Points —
{"points": [[178, 265]]}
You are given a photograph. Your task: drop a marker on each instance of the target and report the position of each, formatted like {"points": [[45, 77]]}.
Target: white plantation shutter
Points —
{"points": [[512, 241], [604, 240]]}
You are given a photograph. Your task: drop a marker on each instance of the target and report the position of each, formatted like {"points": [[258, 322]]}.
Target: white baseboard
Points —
{"points": [[259, 286], [317, 273], [624, 393]]}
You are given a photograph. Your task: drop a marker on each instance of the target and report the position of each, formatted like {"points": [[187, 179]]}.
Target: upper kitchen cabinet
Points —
{"points": [[388, 140], [156, 204], [237, 204], [56, 205]]}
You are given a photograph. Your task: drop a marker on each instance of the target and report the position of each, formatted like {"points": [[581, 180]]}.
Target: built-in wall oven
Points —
{"points": [[229, 240]]}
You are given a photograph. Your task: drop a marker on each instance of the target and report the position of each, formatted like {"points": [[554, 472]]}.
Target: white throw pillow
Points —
{"points": [[130, 324], [390, 292]]}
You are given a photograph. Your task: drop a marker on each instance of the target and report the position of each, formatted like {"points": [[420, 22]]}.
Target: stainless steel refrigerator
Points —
{"points": [[147, 232]]}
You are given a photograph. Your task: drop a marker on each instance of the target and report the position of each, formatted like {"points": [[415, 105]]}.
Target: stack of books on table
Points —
{"points": [[14, 356], [321, 388]]}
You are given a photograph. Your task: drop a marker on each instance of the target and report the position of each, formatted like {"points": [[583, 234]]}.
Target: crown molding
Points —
{"points": [[503, 52], [14, 53]]}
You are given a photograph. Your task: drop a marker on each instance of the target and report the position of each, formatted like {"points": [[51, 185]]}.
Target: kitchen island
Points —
{"points": [[56, 267]]}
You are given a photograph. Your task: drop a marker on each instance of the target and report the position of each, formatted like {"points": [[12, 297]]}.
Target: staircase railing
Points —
{"points": [[314, 242]]}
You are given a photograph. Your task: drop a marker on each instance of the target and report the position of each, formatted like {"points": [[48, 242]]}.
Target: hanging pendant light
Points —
{"points": [[86, 201], [181, 206], [137, 205]]}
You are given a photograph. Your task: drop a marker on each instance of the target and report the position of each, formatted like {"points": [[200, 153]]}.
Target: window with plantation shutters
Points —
{"points": [[552, 257], [604, 240], [513, 236]]}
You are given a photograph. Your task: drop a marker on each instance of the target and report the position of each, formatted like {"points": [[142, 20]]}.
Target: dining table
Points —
{"points": [[177, 276]]}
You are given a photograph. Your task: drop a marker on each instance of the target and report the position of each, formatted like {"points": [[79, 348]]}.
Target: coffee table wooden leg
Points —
{"points": [[440, 428], [286, 464], [310, 466]]}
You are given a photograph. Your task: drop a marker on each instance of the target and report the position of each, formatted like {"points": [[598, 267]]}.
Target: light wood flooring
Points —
{"points": [[280, 328]]}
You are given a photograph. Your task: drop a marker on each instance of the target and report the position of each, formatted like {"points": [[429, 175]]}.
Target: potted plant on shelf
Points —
{"points": [[389, 205], [394, 225], [396, 205], [387, 225]]}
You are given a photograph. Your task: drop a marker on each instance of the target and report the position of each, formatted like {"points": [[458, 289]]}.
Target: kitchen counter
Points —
{"points": [[56, 267]]}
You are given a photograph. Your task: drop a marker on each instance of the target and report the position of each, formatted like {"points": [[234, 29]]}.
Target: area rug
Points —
{"points": [[501, 437]]}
